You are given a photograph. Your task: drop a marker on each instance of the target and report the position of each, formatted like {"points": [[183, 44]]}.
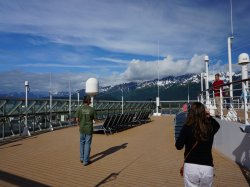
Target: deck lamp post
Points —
{"points": [[208, 101], [206, 59], [122, 100], [202, 78], [78, 98], [243, 60], [157, 99], [69, 103], [50, 106], [50, 111], [229, 44], [26, 131]]}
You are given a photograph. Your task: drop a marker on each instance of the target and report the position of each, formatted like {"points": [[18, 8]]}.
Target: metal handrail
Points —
{"points": [[39, 113], [232, 105]]}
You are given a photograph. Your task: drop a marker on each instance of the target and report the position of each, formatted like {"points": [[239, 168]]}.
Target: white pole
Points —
{"points": [[244, 73], [232, 29], [122, 104], [50, 106], [92, 101], [221, 103], [158, 89], [243, 60], [202, 74], [202, 82], [69, 104], [26, 131], [229, 45], [188, 92], [78, 98], [207, 84], [245, 103], [158, 84], [122, 100], [157, 99], [157, 105], [158, 71], [26, 105]]}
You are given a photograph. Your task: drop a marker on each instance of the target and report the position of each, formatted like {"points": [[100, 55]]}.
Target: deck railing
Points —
{"points": [[41, 115], [233, 108]]}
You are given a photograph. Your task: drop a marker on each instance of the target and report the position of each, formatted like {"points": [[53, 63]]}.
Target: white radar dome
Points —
{"points": [[92, 86], [243, 58], [206, 58], [26, 83]]}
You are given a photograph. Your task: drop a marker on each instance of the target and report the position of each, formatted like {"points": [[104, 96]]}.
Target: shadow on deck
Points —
{"points": [[141, 156]]}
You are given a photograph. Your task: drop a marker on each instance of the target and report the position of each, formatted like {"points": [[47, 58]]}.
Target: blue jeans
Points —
{"points": [[85, 146]]}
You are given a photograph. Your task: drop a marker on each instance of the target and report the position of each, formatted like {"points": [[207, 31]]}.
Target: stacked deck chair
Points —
{"points": [[141, 117], [103, 127], [120, 122]]}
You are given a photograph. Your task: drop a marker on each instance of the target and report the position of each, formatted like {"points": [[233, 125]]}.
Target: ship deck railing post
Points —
{"points": [[245, 103], [3, 129], [221, 103]]}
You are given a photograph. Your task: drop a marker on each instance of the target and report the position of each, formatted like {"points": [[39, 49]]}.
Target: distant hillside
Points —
{"points": [[173, 92], [170, 88]]}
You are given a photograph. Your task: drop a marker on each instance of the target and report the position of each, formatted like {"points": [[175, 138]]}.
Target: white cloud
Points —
{"points": [[196, 64], [114, 60], [146, 70], [136, 70], [182, 29], [14, 81], [66, 66]]}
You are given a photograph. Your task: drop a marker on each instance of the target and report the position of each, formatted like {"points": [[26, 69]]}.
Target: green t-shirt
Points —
{"points": [[86, 115]]}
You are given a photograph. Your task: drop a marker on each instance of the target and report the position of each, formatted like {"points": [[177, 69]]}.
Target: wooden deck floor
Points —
{"points": [[142, 156]]}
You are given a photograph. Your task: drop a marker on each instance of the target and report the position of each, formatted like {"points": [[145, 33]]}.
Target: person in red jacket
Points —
{"points": [[216, 88]]}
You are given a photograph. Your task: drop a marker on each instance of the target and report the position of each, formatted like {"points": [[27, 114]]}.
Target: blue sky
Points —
{"points": [[115, 41]]}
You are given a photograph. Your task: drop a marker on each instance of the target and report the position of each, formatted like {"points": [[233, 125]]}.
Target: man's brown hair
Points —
{"points": [[86, 99]]}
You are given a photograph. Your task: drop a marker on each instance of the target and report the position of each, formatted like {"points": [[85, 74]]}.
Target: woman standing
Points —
{"points": [[197, 135]]}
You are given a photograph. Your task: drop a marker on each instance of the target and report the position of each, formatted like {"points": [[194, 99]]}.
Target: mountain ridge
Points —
{"points": [[170, 88]]}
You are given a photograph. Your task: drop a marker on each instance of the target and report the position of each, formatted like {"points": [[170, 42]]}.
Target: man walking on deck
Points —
{"points": [[216, 88], [84, 117]]}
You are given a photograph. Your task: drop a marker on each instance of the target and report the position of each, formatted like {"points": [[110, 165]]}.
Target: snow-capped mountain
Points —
{"points": [[171, 87], [167, 82], [164, 82]]}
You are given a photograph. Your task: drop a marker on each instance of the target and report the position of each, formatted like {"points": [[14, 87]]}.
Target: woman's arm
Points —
{"points": [[215, 124], [180, 142]]}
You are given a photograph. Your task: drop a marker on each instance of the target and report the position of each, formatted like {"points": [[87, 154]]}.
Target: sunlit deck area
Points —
{"points": [[141, 156]]}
